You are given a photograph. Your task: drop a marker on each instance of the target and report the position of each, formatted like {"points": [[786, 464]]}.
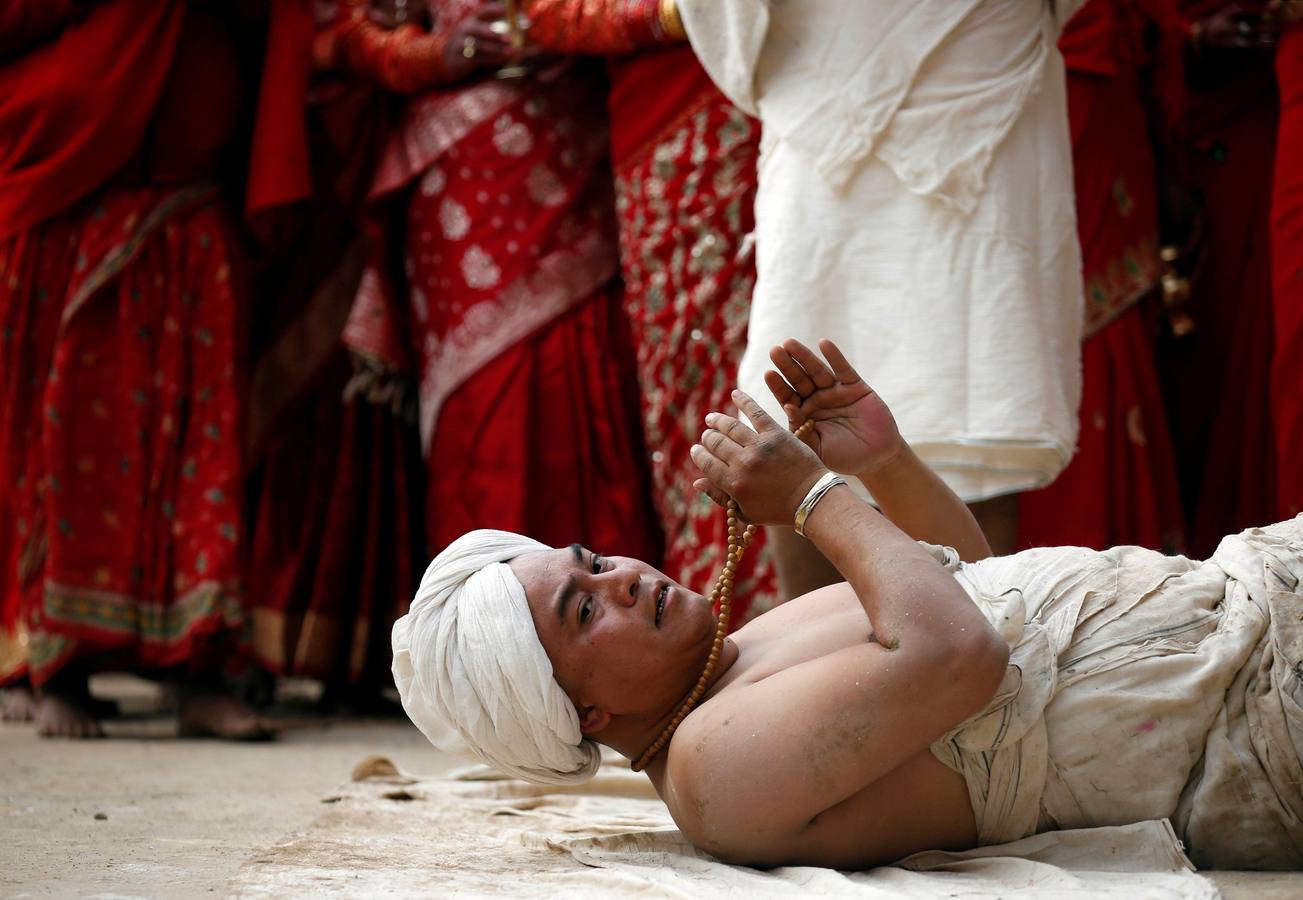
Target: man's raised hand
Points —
{"points": [[767, 470], [854, 433]]}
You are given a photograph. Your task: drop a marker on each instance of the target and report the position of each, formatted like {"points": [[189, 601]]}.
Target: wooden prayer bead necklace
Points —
{"points": [[723, 593]]}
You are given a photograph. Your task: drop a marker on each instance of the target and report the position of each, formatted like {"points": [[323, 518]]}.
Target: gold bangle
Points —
{"points": [[671, 21]]}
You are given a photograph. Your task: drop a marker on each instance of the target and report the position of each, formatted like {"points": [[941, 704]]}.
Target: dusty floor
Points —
{"points": [[145, 815], [142, 814]]}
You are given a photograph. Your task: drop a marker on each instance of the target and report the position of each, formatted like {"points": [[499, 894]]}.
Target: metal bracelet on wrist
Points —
{"points": [[829, 481]]}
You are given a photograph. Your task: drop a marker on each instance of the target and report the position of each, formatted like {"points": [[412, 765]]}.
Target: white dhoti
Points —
{"points": [[915, 204], [1143, 687]]}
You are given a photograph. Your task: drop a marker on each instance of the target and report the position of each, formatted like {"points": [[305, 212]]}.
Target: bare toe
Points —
{"points": [[216, 714], [18, 704], [59, 715]]}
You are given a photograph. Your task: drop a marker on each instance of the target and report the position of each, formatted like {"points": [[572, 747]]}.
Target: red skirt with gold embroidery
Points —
{"points": [[120, 441], [686, 205], [336, 541]]}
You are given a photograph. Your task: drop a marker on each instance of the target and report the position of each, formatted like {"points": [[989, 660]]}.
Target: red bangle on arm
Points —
{"points": [[602, 26]]}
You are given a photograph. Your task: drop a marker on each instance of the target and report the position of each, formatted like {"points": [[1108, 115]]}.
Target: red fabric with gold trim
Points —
{"points": [[685, 164], [527, 404], [120, 433], [544, 441], [686, 182], [1116, 182], [331, 568], [335, 551]]}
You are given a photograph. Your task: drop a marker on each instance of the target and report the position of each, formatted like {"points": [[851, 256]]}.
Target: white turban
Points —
{"points": [[472, 673]]}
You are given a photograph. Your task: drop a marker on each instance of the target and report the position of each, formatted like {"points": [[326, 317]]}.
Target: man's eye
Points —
{"points": [[585, 610], [597, 564]]}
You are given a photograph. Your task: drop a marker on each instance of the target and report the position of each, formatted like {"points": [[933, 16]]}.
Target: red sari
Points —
{"points": [[335, 538], [1217, 379], [527, 407], [120, 325], [1287, 249], [121, 434], [685, 167], [1120, 487]]}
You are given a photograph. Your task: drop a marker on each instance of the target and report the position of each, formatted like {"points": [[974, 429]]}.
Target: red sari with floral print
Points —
{"points": [[528, 410], [121, 434], [120, 386], [685, 167], [1120, 487]]}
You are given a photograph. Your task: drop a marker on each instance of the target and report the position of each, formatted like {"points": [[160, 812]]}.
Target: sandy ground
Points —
{"points": [[143, 814]]}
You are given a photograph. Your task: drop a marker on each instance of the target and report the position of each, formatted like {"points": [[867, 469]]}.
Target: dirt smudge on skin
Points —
{"points": [[699, 806], [834, 745]]}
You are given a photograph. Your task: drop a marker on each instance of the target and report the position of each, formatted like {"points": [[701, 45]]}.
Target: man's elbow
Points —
{"points": [[736, 843], [977, 666]]}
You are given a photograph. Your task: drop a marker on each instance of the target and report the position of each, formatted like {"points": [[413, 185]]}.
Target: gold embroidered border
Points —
{"points": [[125, 615]]}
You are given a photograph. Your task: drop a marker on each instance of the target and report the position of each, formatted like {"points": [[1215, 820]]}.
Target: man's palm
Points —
{"points": [[854, 432]]}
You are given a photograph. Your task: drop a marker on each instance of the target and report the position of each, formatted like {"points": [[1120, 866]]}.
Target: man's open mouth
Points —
{"points": [[661, 597]]}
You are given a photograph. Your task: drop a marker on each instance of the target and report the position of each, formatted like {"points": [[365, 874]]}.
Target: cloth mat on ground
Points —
{"points": [[476, 833]]}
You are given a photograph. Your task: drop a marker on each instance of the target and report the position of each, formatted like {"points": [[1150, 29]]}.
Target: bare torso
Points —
{"points": [[920, 804]]}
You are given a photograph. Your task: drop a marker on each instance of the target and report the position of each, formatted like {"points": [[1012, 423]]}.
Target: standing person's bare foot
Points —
{"points": [[212, 712], [65, 708], [18, 703]]}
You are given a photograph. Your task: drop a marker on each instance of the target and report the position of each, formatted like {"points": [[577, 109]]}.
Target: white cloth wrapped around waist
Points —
{"points": [[1141, 687]]}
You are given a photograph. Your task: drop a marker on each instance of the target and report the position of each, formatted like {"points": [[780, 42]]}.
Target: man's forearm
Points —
{"points": [[923, 506], [912, 602]]}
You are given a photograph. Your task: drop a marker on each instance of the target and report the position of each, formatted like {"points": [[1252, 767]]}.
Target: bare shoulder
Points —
{"points": [[783, 761], [740, 729], [780, 719], [708, 742]]}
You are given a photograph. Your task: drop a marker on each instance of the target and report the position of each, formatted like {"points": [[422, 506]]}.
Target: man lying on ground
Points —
{"points": [[938, 699]]}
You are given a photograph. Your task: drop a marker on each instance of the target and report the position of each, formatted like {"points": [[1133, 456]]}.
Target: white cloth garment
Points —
{"points": [[915, 204], [1143, 686], [472, 673]]}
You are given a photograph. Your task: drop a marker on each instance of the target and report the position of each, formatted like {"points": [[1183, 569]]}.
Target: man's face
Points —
{"points": [[622, 637]]}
